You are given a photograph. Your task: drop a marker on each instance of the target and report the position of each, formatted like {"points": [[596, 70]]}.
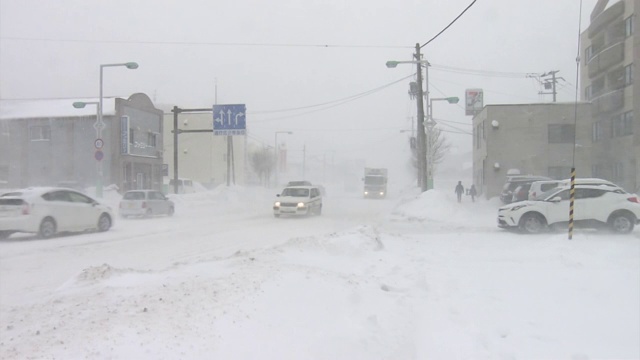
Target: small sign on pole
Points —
{"points": [[474, 101]]}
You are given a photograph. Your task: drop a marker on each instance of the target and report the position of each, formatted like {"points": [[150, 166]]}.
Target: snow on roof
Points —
{"points": [[53, 108]]}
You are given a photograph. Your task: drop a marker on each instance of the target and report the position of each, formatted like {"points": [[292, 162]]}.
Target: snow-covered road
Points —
{"points": [[412, 277]]}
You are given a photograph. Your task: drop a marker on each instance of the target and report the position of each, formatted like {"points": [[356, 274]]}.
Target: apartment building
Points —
{"points": [[610, 51]]}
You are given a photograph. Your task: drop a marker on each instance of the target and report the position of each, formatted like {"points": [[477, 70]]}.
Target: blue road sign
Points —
{"points": [[229, 119]]}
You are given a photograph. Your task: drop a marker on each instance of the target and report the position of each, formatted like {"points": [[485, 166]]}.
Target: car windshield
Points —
{"points": [[547, 194], [295, 192], [134, 195]]}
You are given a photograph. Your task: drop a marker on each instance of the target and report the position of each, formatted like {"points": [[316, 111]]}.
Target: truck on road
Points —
{"points": [[375, 182]]}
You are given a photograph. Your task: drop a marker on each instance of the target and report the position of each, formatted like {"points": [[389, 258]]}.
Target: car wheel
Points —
{"points": [[104, 223], [319, 211], [47, 228], [5, 234], [171, 211], [148, 213], [621, 223], [532, 223], [276, 215]]}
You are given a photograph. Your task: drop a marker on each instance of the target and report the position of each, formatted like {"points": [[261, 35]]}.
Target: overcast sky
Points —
{"points": [[271, 55]]}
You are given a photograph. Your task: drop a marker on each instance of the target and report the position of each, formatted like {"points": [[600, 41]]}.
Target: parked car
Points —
{"points": [[595, 206], [145, 203], [47, 211], [513, 182], [521, 193], [298, 200], [539, 187], [299, 183], [185, 186]]}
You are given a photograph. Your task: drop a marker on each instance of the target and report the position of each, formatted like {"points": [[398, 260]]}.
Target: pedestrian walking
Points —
{"points": [[459, 191], [473, 192]]}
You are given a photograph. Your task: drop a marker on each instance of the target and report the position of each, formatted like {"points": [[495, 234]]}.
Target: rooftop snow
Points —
{"points": [[52, 108]]}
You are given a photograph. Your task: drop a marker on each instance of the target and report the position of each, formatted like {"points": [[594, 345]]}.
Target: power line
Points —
{"points": [[451, 23], [487, 73], [205, 43], [368, 92], [353, 98]]}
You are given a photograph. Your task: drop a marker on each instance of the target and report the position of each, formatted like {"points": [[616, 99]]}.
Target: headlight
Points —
{"points": [[366, 193], [301, 204], [381, 192], [518, 207], [277, 204]]}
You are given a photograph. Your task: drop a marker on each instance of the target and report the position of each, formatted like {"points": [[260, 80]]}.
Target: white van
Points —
{"points": [[185, 186]]}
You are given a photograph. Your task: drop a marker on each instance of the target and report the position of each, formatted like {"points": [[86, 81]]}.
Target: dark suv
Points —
{"points": [[513, 182]]}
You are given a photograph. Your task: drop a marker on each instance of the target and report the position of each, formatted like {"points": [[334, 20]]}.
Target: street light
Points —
{"points": [[275, 150], [99, 125], [422, 155], [430, 125], [81, 105]]}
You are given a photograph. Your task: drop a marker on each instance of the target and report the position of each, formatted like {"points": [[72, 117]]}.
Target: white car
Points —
{"points": [[47, 211], [298, 200], [539, 187], [145, 203], [594, 206]]}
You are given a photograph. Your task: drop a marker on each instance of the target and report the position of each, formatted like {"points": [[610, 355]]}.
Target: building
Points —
{"points": [[610, 50], [202, 156], [536, 139], [49, 142]]}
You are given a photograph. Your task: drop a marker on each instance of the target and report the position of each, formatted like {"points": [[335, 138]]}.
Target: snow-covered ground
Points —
{"points": [[409, 277]]}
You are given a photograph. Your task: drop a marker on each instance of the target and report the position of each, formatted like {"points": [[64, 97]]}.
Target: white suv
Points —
{"points": [[539, 187], [298, 200], [594, 206]]}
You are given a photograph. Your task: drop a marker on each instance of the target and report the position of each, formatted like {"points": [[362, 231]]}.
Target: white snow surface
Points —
{"points": [[416, 276]]}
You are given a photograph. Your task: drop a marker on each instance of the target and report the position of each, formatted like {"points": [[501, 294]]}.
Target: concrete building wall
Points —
{"points": [[533, 139], [202, 157], [48, 150]]}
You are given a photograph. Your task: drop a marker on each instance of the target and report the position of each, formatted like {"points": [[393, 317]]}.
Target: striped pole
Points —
{"points": [[572, 195]]}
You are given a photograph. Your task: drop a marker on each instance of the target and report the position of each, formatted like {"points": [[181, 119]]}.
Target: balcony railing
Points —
{"points": [[608, 102], [606, 58], [605, 17]]}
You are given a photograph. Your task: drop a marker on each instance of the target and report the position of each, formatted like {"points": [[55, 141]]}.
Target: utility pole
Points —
{"points": [[304, 161], [550, 83], [422, 155]]}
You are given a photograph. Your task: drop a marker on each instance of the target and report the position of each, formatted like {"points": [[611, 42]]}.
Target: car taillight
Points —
{"points": [[25, 209], [144, 204], [634, 199], [121, 205]]}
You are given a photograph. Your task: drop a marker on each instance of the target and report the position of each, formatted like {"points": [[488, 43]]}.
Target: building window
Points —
{"points": [[561, 133], [588, 93], [623, 124], [618, 172], [40, 133], [628, 74], [596, 131], [131, 136], [559, 172], [588, 53], [151, 139], [628, 26]]}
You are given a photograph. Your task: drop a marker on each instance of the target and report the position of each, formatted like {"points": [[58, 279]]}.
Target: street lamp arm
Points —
{"points": [[128, 65]]}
